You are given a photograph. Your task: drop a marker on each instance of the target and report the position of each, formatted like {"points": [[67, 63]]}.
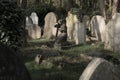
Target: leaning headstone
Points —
{"points": [[100, 69], [75, 29], [49, 27], [98, 27], [113, 34], [11, 65], [34, 18]]}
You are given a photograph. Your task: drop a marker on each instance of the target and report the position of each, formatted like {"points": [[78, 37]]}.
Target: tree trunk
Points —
{"points": [[102, 8], [114, 9]]}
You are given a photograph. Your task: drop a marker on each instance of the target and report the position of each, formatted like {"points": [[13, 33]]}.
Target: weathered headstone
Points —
{"points": [[75, 29], [34, 18], [29, 22], [49, 27], [70, 25], [98, 27], [11, 66], [33, 30], [38, 58], [100, 69], [113, 34], [79, 33]]}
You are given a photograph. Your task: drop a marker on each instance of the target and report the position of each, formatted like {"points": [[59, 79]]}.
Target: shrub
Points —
{"points": [[11, 19]]}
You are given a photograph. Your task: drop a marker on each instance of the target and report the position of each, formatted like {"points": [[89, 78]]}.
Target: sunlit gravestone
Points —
{"points": [[98, 27], [75, 29], [32, 27], [34, 18], [113, 33], [11, 66], [49, 27], [100, 69]]}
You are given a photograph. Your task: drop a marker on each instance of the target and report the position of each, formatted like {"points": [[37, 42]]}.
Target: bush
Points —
{"points": [[11, 19]]}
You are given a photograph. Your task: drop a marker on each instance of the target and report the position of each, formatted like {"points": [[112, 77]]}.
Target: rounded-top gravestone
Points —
{"points": [[34, 18], [49, 27], [100, 69], [32, 27]]}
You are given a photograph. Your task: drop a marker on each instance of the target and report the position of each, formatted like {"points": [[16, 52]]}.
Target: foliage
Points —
{"points": [[41, 9], [73, 63], [49, 69], [10, 24]]}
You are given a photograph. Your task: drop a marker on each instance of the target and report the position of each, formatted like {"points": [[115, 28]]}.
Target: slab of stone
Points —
{"points": [[113, 34], [49, 27], [100, 69], [34, 32], [34, 18], [98, 27], [29, 22], [75, 29], [79, 33], [70, 26]]}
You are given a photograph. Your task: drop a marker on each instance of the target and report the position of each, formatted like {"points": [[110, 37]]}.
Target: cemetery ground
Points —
{"points": [[65, 64]]}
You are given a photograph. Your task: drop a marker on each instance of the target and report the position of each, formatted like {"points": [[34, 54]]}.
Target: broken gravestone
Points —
{"points": [[113, 33], [49, 27], [33, 30], [11, 66], [98, 27], [100, 69], [75, 29], [38, 58]]}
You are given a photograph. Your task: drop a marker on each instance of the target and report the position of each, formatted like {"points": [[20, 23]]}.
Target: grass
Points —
{"points": [[66, 66]]}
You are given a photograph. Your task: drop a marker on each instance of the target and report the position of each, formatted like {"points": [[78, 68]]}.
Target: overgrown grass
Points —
{"points": [[66, 66]]}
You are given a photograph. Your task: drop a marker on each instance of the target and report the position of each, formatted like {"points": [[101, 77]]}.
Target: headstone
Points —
{"points": [[49, 27], [38, 58], [61, 40], [100, 69], [70, 25], [75, 29], [113, 34], [34, 18], [11, 65], [29, 22], [98, 27], [79, 33], [33, 30]]}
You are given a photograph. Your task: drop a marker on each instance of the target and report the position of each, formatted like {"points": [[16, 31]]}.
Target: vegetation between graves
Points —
{"points": [[69, 65]]}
